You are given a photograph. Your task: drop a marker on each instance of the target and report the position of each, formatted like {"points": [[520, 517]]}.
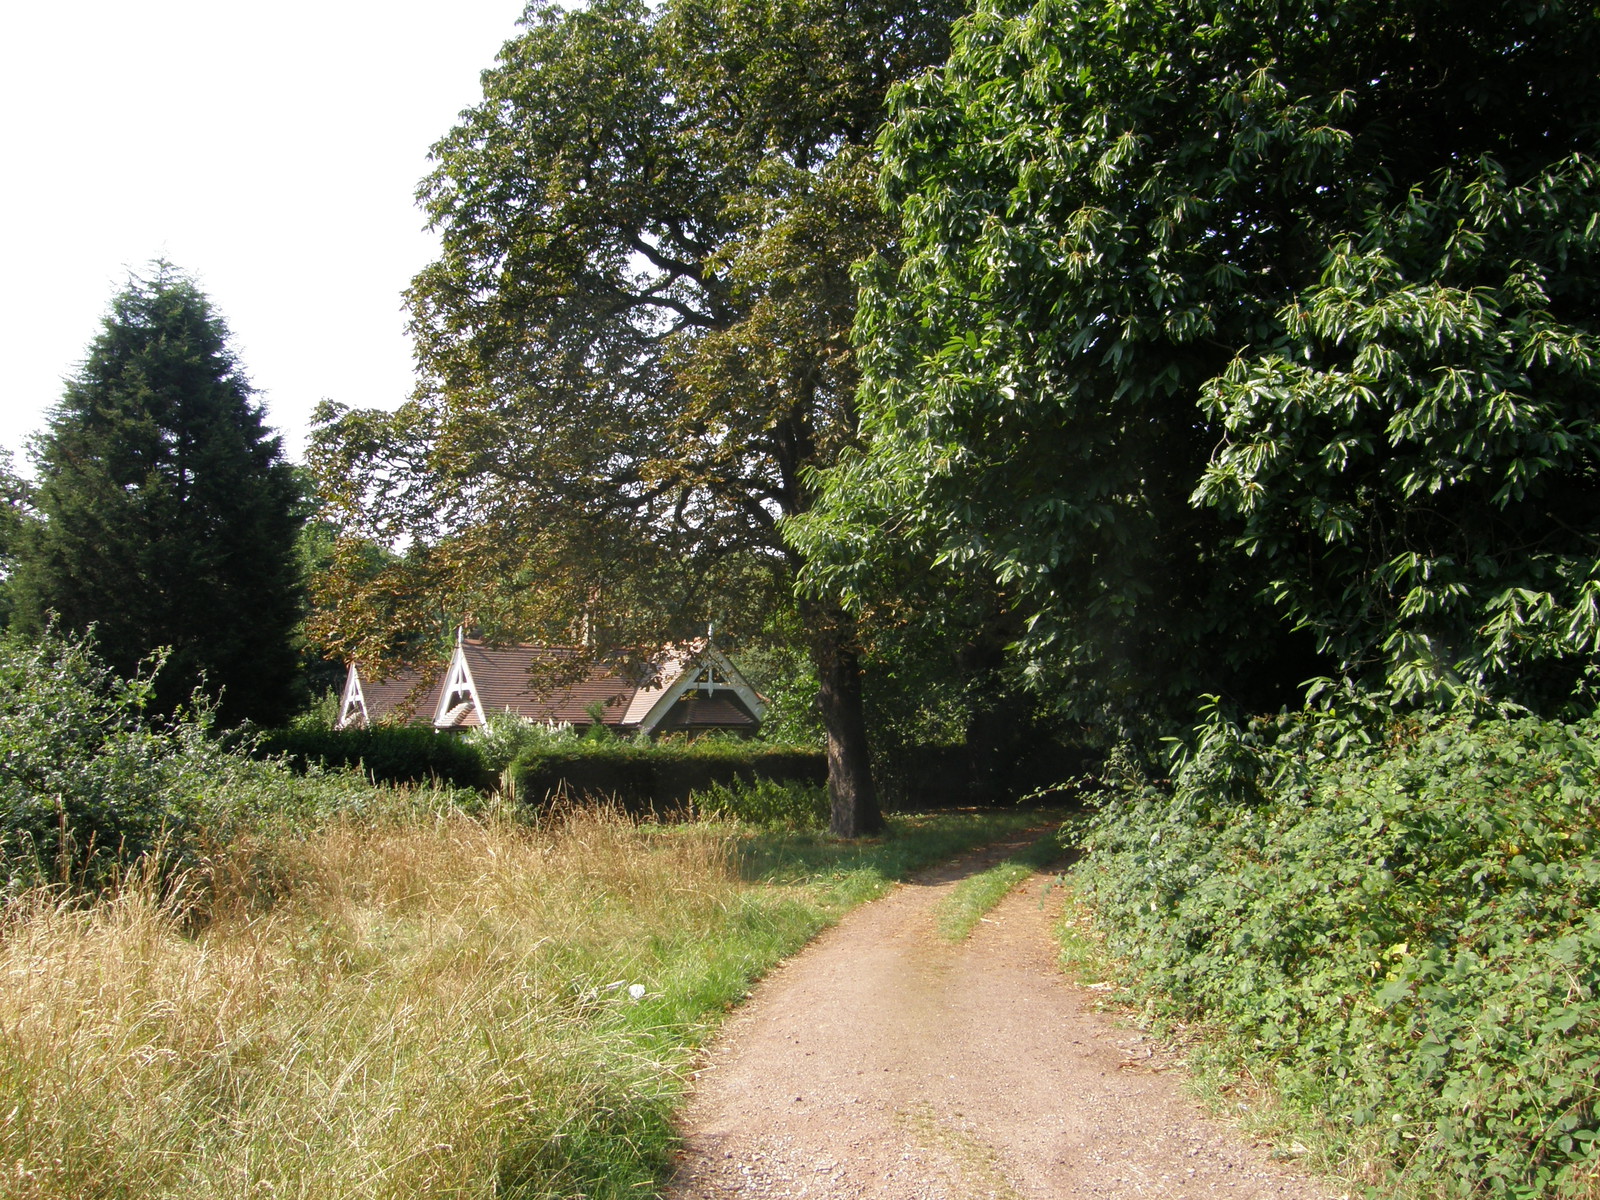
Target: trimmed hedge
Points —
{"points": [[657, 777], [387, 753]]}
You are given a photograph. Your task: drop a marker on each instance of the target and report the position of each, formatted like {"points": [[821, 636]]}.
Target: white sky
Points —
{"points": [[270, 150]]}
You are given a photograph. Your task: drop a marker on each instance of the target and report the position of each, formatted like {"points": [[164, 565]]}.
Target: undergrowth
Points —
{"points": [[770, 803], [1401, 936]]}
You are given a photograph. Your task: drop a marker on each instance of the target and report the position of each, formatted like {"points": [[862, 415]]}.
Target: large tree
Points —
{"points": [[1226, 332], [15, 513], [167, 516], [636, 339]]}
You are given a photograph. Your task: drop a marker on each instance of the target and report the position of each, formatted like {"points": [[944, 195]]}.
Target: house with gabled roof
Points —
{"points": [[684, 689]]}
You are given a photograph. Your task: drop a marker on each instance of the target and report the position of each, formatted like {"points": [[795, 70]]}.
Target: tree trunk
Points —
{"points": [[851, 792]]}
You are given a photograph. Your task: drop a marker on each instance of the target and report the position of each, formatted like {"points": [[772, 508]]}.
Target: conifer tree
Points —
{"points": [[167, 513], [13, 518]]}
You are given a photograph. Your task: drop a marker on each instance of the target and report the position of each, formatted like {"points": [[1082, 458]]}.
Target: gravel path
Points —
{"points": [[884, 1063]]}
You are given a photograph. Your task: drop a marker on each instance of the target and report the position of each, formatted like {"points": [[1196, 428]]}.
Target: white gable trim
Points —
{"points": [[353, 704], [702, 671], [459, 687]]}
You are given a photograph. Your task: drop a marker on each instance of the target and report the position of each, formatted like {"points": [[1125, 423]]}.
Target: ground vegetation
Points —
{"points": [[1391, 922], [170, 1041]]}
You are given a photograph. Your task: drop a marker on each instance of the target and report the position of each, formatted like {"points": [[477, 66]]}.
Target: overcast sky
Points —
{"points": [[270, 150]]}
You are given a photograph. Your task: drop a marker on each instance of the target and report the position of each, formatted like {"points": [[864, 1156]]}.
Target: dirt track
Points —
{"points": [[883, 1063]]}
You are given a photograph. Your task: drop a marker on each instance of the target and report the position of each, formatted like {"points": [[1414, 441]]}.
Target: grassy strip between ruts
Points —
{"points": [[960, 911], [424, 1004]]}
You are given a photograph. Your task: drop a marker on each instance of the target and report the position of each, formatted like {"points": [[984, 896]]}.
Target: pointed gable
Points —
{"points": [[405, 695], [458, 705], [706, 691], [693, 688]]}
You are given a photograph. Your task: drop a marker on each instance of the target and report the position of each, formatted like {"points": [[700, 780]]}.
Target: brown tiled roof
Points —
{"points": [[513, 677], [502, 678], [406, 691]]}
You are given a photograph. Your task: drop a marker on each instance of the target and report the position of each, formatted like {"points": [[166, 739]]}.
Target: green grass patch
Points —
{"points": [[962, 909], [837, 875]]}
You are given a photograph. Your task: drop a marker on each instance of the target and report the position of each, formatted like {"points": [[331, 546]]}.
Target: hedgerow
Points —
{"points": [[656, 776], [1406, 930], [384, 753]]}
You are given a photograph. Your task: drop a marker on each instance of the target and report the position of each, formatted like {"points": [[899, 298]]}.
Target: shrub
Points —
{"points": [[655, 776], [87, 780], [89, 785], [504, 737], [788, 804], [384, 753], [1408, 930]]}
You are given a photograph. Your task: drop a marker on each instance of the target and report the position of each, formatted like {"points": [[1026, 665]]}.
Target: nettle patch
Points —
{"points": [[1407, 930]]}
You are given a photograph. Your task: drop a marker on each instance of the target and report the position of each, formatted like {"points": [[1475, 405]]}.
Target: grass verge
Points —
{"points": [[423, 1004]]}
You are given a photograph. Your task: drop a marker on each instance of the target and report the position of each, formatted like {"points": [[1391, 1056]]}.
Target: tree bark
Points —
{"points": [[851, 793]]}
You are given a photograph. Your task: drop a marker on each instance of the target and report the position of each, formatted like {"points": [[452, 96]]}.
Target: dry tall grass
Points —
{"points": [[426, 1008]]}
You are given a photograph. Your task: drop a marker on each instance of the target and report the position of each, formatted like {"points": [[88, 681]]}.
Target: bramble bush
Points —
{"points": [[1406, 927], [85, 779], [90, 783]]}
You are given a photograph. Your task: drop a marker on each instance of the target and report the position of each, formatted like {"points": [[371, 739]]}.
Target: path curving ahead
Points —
{"points": [[884, 1063]]}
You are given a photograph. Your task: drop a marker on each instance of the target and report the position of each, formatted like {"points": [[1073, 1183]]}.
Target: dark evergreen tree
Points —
{"points": [[167, 514], [14, 514]]}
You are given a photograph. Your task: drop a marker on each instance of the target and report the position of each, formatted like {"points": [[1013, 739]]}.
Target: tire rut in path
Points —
{"points": [[884, 1063]]}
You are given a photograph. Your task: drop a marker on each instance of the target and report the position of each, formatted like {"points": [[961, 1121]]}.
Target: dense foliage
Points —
{"points": [[14, 513], [384, 753], [91, 779], [660, 777], [765, 802], [167, 516], [1405, 929], [1242, 342]]}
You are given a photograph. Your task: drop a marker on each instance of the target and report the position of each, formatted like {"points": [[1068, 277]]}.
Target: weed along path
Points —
{"points": [[885, 1062]]}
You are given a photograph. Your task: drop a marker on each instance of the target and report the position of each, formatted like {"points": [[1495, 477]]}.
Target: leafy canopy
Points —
{"points": [[636, 336], [1223, 321]]}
